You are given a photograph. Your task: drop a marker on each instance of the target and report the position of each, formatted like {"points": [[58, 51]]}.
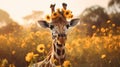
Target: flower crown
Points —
{"points": [[67, 14]]}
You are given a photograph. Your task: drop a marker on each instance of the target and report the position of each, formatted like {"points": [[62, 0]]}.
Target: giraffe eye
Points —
{"points": [[67, 26], [51, 27]]}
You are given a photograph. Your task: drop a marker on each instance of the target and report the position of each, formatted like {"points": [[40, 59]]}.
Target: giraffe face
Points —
{"points": [[59, 32], [59, 28]]}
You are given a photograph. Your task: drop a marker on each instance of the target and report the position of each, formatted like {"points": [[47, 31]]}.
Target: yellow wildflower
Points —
{"points": [[108, 21], [110, 35], [48, 17], [113, 25], [93, 27], [41, 48], [103, 56], [30, 56], [4, 61], [67, 63], [55, 15], [13, 52], [102, 30]]}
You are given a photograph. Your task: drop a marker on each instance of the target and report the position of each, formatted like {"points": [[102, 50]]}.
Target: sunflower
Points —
{"points": [[68, 14], [71, 16], [103, 30], [54, 15], [67, 63], [29, 57], [48, 17], [41, 48]]}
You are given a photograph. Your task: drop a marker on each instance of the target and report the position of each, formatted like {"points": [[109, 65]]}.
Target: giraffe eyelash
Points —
{"points": [[67, 26], [51, 27]]}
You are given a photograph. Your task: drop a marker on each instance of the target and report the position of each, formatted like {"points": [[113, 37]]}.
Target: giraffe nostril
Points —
{"points": [[61, 35]]}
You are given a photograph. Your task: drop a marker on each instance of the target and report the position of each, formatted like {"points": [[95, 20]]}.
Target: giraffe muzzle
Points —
{"points": [[62, 38]]}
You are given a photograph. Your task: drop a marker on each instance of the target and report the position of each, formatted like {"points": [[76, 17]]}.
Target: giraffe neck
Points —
{"points": [[58, 52]]}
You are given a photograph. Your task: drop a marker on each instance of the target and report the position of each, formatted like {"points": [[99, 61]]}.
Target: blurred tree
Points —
{"points": [[94, 15], [114, 11], [114, 6], [4, 16], [31, 20], [7, 25]]}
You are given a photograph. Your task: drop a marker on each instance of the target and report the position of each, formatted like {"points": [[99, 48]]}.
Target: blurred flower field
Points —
{"points": [[25, 46]]}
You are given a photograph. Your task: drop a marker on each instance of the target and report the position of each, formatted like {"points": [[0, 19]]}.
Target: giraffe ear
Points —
{"points": [[74, 22], [43, 23]]}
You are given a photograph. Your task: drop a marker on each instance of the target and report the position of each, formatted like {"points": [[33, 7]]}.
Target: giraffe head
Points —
{"points": [[59, 24]]}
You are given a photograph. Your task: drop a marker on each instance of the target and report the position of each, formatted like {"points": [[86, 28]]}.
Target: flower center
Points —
{"points": [[41, 48], [67, 13]]}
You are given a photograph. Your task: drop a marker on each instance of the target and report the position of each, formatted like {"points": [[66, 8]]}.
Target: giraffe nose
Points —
{"points": [[62, 38], [61, 35]]}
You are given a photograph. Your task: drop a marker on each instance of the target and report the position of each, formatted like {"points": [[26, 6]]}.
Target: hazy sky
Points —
{"points": [[20, 8]]}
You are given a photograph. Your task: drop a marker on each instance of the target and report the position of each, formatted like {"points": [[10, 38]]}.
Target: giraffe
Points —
{"points": [[58, 26]]}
